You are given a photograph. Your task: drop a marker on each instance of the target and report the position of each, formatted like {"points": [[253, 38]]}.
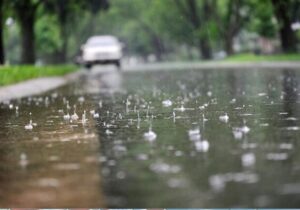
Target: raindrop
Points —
{"points": [[202, 146], [203, 118], [120, 116], [224, 118], [174, 117], [292, 118], [17, 110], [167, 103], [84, 120], [23, 160], [202, 107], [261, 94], [108, 132], [233, 101], [96, 115], [248, 159], [194, 134], [209, 93], [67, 116], [237, 133], [182, 109], [293, 128], [286, 146], [29, 126], [74, 116], [138, 116], [81, 99], [264, 124], [150, 135], [245, 129], [277, 156]]}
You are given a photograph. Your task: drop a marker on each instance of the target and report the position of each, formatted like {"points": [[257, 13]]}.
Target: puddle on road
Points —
{"points": [[215, 138], [50, 161], [201, 138]]}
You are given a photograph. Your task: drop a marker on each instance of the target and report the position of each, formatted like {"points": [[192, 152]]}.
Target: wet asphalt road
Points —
{"points": [[172, 138]]}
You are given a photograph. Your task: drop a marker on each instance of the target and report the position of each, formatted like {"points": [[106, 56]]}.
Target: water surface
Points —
{"points": [[188, 138]]}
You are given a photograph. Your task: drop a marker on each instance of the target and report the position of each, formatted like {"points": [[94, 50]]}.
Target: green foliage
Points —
{"points": [[262, 18], [14, 74], [48, 39], [146, 27]]}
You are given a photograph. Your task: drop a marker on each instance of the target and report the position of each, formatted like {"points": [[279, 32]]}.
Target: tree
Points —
{"points": [[284, 11], [230, 16], [94, 6], [198, 16], [2, 58], [25, 11], [136, 22], [67, 12], [262, 18]]}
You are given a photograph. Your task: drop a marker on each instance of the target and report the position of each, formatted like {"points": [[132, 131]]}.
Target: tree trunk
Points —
{"points": [[158, 47], [288, 39], [62, 54], [62, 11], [93, 24], [229, 45], [205, 48], [27, 19], [197, 19], [2, 58], [287, 36]]}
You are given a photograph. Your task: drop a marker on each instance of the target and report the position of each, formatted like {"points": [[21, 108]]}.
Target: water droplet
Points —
{"points": [[150, 135], [248, 159], [81, 99], [202, 145], [194, 134], [108, 132], [224, 118], [286, 146], [167, 103], [23, 160], [277, 156]]}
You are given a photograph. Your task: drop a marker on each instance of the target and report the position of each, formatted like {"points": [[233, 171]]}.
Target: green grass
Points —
{"points": [[14, 74], [252, 57]]}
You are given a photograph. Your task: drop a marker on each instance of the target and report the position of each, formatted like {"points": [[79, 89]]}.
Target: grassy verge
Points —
{"points": [[14, 74], [252, 57]]}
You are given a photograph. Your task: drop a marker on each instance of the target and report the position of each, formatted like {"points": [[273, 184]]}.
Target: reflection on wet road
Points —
{"points": [[188, 138]]}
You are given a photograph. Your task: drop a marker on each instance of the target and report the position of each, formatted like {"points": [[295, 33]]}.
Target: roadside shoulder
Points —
{"points": [[35, 86]]}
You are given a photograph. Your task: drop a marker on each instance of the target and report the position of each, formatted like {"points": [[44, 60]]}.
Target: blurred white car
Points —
{"points": [[101, 50]]}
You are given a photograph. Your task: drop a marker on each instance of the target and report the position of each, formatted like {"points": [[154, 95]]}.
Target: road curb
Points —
{"points": [[36, 86]]}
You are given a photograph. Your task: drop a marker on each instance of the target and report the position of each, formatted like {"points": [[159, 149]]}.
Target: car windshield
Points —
{"points": [[95, 42]]}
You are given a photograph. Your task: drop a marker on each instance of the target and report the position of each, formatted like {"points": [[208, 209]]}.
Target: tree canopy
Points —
{"points": [[52, 31]]}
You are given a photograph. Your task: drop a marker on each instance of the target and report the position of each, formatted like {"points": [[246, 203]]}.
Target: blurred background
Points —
{"points": [[166, 127], [52, 31]]}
